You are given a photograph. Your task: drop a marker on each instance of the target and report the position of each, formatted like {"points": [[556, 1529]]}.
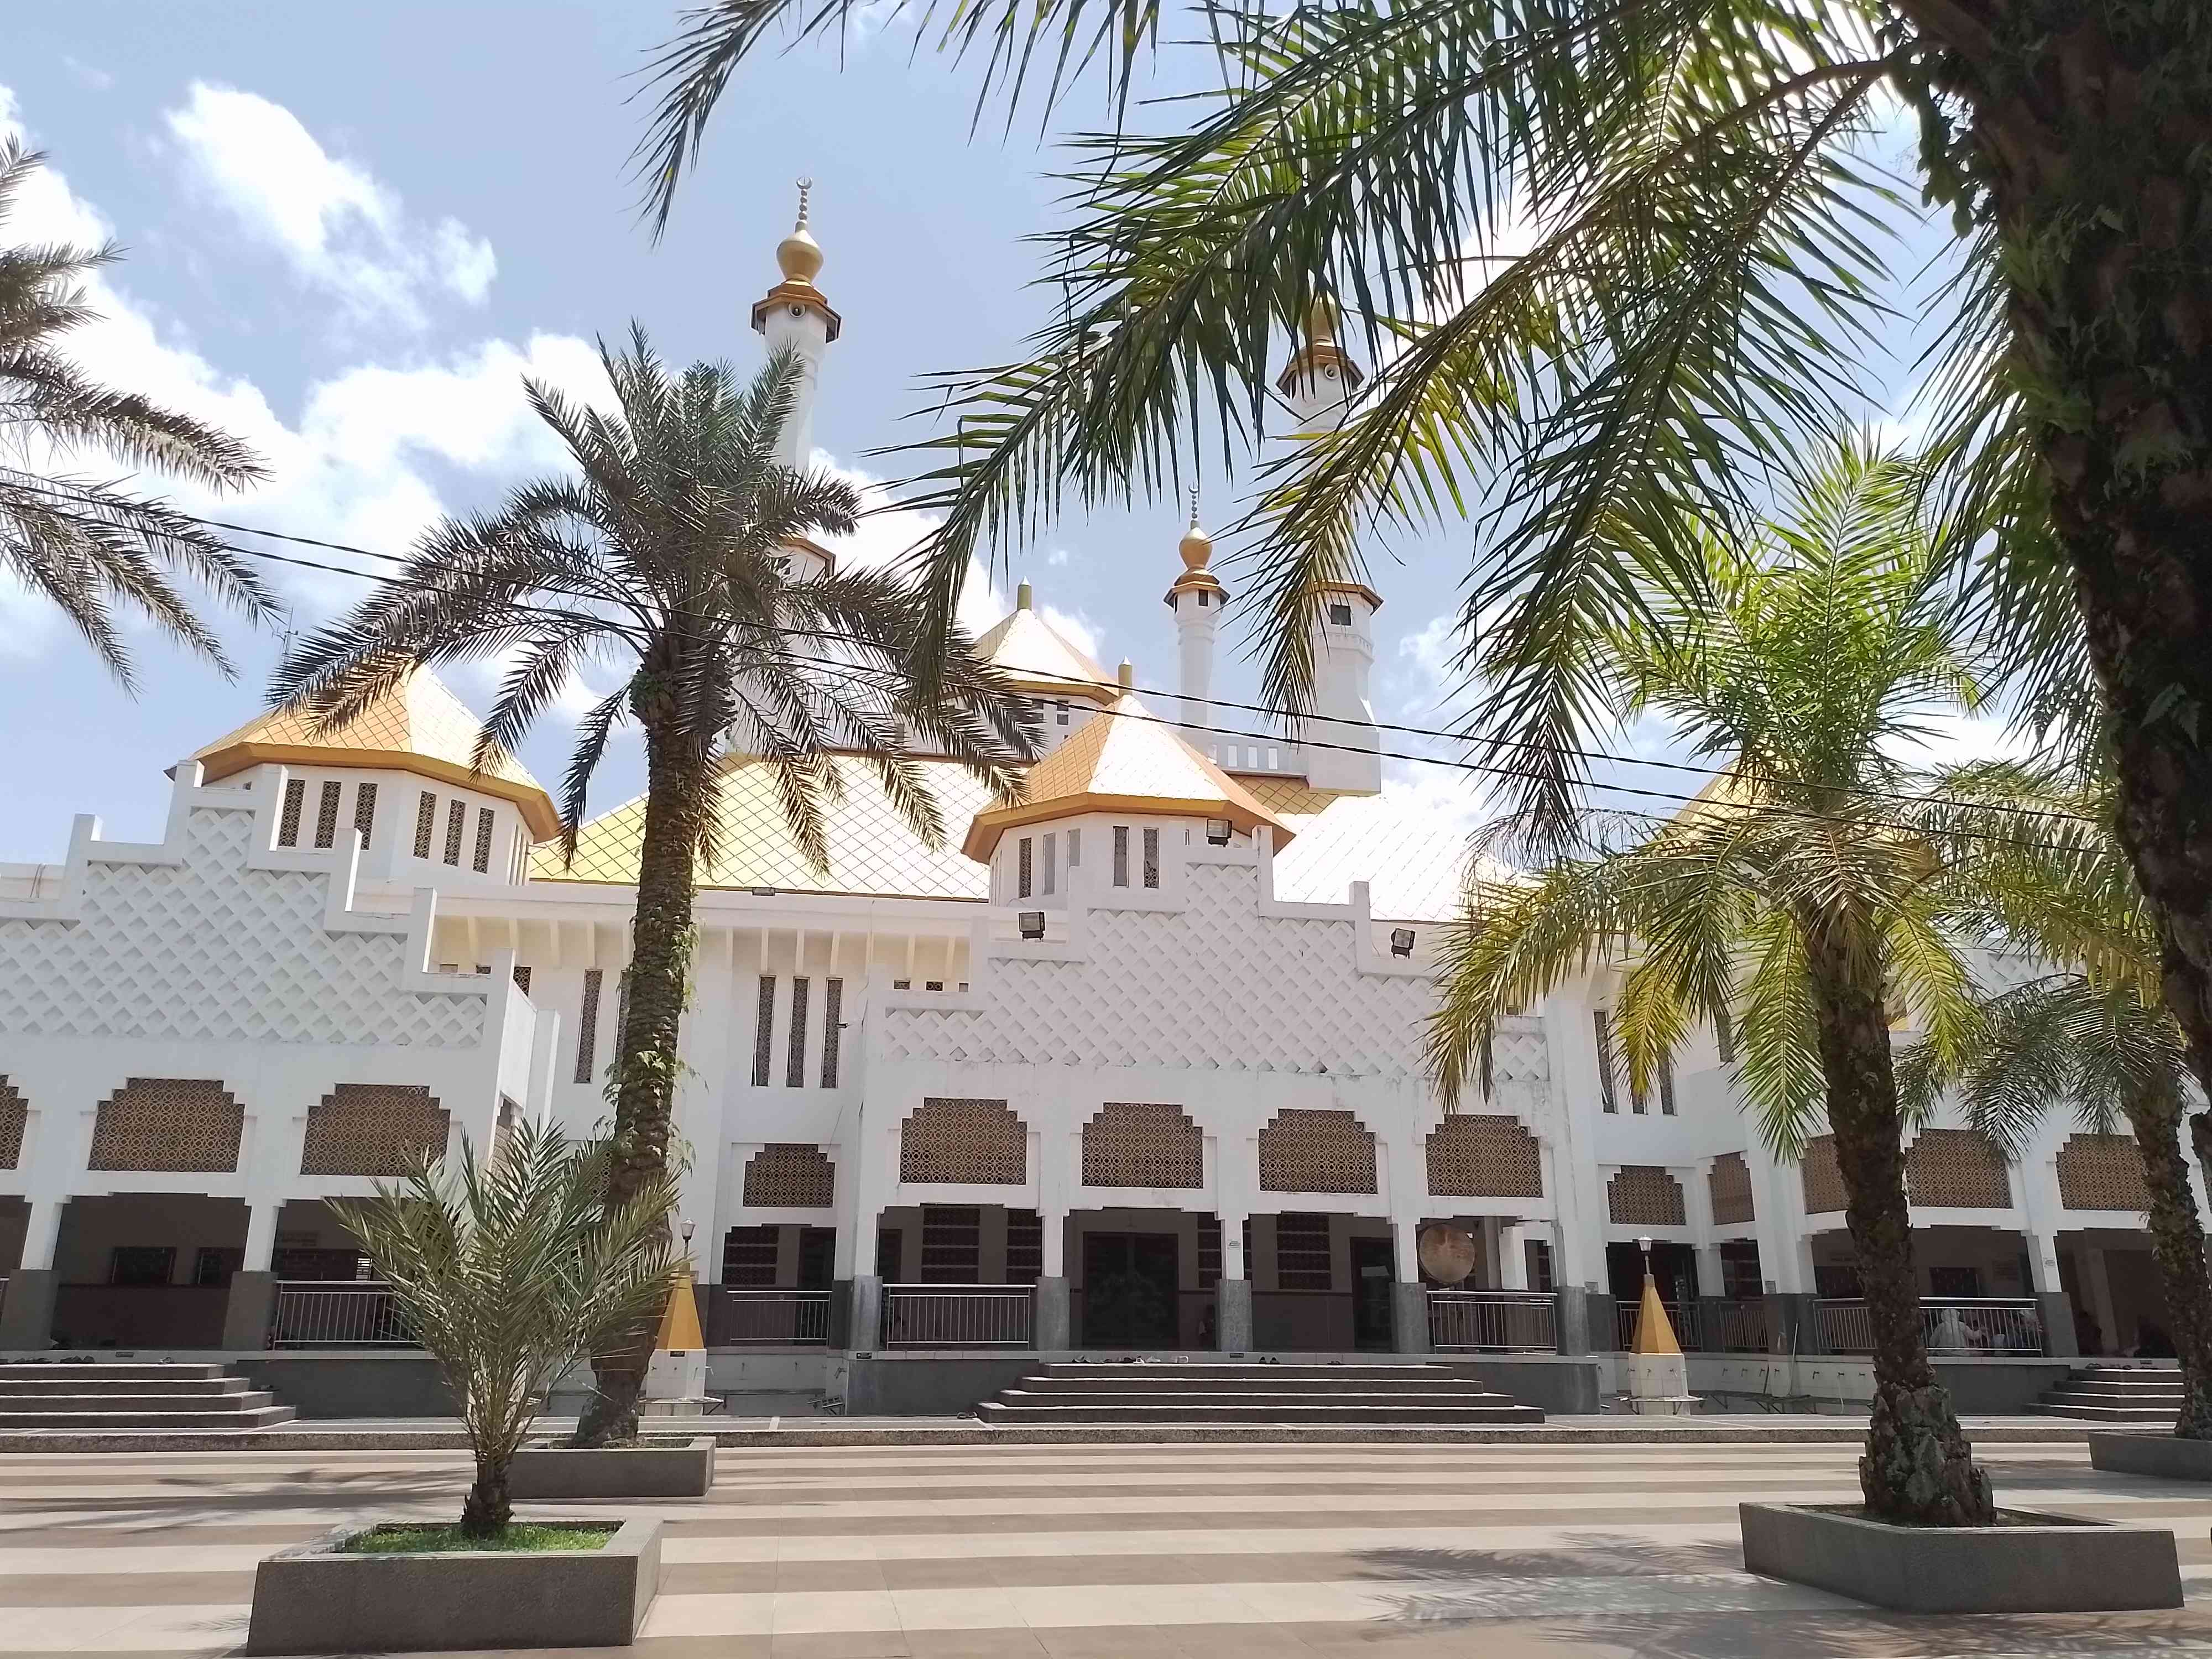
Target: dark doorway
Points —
{"points": [[1372, 1325], [817, 1257], [1129, 1290], [1674, 1267]]}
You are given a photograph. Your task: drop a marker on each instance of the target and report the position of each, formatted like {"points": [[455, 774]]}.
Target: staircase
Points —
{"points": [[77, 1396], [1344, 1395], [2147, 1392]]}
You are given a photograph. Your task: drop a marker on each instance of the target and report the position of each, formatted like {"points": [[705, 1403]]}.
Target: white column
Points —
{"points": [[1512, 1257], [1055, 1242], [2041, 1211], [261, 1237], [45, 1228], [1233, 1265]]}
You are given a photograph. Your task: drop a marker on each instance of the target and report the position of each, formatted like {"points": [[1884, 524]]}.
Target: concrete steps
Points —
{"points": [[2117, 1395], [1350, 1395], [125, 1396]]}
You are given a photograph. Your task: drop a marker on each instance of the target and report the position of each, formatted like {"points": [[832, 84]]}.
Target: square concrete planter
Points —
{"points": [[2030, 1564], [2161, 1455], [312, 1599], [656, 1468]]}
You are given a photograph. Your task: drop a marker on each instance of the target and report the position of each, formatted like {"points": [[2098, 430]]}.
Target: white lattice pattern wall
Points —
{"points": [[1216, 986], [210, 951]]}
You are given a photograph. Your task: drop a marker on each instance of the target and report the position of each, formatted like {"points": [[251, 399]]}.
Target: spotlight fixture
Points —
{"points": [[1402, 941], [1217, 831], [1032, 923]]}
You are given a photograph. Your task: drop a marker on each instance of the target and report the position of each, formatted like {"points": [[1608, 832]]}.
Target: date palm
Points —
{"points": [[87, 546], [1612, 256], [508, 1271], [1796, 899], [2095, 1043], [666, 553]]}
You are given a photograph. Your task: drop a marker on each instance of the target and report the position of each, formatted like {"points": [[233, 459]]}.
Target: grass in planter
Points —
{"points": [[438, 1540]]}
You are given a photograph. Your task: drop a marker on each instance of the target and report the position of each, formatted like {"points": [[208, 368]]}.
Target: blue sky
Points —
{"points": [[352, 229]]}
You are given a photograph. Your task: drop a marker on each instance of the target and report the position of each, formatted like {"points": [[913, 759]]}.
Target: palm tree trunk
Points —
{"points": [[2084, 121], [488, 1509], [646, 1067], [1918, 1468], [2178, 1243]]}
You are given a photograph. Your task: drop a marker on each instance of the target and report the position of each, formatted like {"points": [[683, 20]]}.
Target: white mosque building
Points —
{"points": [[1135, 1065]]}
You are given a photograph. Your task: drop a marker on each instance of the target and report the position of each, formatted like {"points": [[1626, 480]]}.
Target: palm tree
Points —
{"points": [[508, 1272], [1612, 256], [1792, 899], [666, 553], [2094, 1042], [85, 544]]}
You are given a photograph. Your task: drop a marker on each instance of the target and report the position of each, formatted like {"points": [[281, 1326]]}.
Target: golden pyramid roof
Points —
{"points": [[871, 848], [1124, 760], [1027, 650], [419, 727]]}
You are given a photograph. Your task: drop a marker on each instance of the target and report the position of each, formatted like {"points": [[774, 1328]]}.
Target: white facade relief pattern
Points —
{"points": [[211, 950]]}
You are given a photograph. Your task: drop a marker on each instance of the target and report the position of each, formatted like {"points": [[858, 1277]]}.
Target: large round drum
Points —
{"points": [[1447, 1253]]}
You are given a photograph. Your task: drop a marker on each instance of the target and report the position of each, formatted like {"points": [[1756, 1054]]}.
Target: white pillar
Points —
{"points": [[45, 1228], [261, 1237], [1233, 1265], [1512, 1257], [1055, 1242]]}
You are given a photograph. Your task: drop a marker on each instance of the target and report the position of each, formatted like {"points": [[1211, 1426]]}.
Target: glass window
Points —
{"points": [[1025, 860], [1046, 882], [1120, 855], [1151, 857]]}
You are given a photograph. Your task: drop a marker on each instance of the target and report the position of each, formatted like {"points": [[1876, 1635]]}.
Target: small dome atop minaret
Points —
{"points": [[1320, 363], [798, 256], [1197, 550]]}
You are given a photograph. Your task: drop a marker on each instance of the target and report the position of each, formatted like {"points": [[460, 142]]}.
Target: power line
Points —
{"points": [[1476, 767]]}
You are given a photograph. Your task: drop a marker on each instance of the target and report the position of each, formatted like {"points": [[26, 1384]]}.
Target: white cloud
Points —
{"points": [[340, 229], [98, 79], [1077, 629], [887, 534], [1057, 556]]}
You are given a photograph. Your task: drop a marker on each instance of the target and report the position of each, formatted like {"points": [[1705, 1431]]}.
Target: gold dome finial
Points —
{"points": [[799, 256], [1321, 321], [1196, 546]]}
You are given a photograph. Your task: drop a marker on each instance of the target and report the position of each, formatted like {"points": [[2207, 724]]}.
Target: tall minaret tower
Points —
{"points": [[794, 313], [1198, 599], [1319, 381]]}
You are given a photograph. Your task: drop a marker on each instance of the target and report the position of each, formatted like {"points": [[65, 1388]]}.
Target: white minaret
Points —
{"points": [[1318, 383], [1198, 599], [794, 313]]}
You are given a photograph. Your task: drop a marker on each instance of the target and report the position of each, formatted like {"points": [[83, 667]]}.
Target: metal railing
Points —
{"points": [[767, 1318], [1493, 1322], [336, 1314], [958, 1316], [1711, 1324], [1990, 1327]]}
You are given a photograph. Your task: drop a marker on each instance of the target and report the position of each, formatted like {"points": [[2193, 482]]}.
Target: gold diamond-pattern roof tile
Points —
{"points": [[873, 849], [1124, 759], [419, 727], [1026, 649]]}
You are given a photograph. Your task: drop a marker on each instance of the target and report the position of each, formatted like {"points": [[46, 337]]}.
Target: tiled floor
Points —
{"points": [[1507, 1552]]}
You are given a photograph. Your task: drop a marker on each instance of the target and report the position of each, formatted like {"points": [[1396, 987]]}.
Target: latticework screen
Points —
{"points": [[1956, 1169], [2102, 1172], [373, 1129], [1644, 1196], [790, 1176], [188, 1125], [15, 1114], [1133, 1143], [1823, 1176], [1729, 1181], [1316, 1150], [1484, 1155], [979, 1141]]}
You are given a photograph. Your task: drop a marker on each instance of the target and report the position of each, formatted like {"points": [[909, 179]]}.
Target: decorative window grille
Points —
{"points": [[1151, 857], [1302, 1252], [1129, 1144], [833, 1009], [1644, 1196], [457, 818], [1729, 1181], [1667, 1086], [373, 1129], [587, 1022], [952, 1244], [1957, 1168], [2095, 1172], [481, 862], [1484, 1155], [794, 1059], [1049, 884], [1318, 1150], [1025, 1247], [15, 1116], [522, 978], [288, 824], [364, 811], [1025, 867], [1822, 1176], [622, 1005], [1209, 1251], [426, 823], [749, 1258], [168, 1124], [1608, 1087], [790, 1176], [978, 1142], [763, 1030], [326, 816], [1120, 855]]}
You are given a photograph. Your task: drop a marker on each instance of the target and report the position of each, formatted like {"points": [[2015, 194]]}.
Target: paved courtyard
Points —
{"points": [[1500, 1551]]}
